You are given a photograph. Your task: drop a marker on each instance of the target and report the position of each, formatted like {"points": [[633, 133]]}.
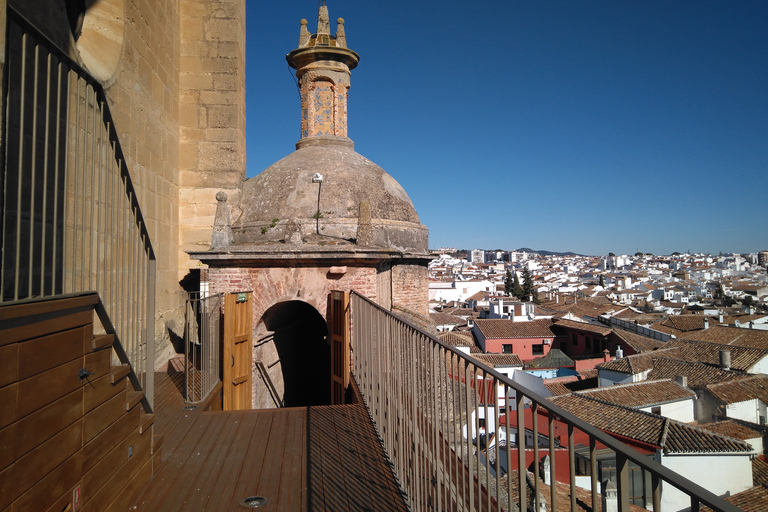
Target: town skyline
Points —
{"points": [[589, 127]]}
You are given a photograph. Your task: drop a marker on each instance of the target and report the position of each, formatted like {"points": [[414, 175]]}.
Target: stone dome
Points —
{"points": [[285, 192]]}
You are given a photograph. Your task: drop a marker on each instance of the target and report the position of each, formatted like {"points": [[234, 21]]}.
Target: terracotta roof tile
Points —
{"points": [[742, 358], [637, 342], [584, 327], [733, 336], [733, 429], [760, 470], [500, 359], [642, 394], [669, 435], [500, 328], [741, 389], [754, 499], [456, 340], [698, 374]]}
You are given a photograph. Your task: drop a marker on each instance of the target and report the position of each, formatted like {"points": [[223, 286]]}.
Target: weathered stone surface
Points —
{"points": [[222, 230]]}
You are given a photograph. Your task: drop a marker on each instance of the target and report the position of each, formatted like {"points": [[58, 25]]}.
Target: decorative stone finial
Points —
{"points": [[364, 227], [341, 36], [222, 229], [323, 21], [303, 34], [293, 234]]}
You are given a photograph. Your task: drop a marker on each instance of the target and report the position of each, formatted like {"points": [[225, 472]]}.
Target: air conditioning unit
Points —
{"points": [[547, 342]]}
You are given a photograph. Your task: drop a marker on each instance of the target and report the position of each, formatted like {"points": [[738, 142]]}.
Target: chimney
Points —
{"points": [[606, 356], [546, 468], [725, 359], [720, 318], [610, 497], [619, 353], [682, 380], [706, 323]]}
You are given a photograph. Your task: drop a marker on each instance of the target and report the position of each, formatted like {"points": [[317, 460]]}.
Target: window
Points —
{"points": [[506, 348], [656, 410], [538, 350]]}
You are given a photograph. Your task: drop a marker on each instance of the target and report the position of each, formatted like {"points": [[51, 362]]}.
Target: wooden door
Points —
{"points": [[339, 332], [237, 379]]}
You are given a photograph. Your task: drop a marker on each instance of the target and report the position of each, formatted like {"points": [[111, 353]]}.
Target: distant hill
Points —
{"points": [[550, 253]]}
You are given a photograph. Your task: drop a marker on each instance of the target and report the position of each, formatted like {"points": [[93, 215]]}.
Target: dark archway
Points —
{"points": [[301, 339]]}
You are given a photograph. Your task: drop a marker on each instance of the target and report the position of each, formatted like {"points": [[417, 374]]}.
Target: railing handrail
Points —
{"points": [[681, 483], [118, 261], [102, 98]]}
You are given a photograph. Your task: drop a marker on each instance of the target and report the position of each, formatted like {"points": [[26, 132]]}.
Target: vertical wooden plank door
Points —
{"points": [[339, 333], [237, 379]]}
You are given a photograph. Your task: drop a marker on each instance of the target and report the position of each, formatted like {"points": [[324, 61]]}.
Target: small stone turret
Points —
{"points": [[323, 64]]}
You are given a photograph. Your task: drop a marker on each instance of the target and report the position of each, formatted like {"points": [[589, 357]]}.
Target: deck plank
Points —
{"points": [[315, 458], [224, 488]]}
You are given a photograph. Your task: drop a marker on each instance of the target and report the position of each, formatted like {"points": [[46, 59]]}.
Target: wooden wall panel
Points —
{"points": [[46, 457], [8, 405], [56, 431], [9, 363], [44, 423], [108, 438], [47, 387], [41, 354], [103, 416]]}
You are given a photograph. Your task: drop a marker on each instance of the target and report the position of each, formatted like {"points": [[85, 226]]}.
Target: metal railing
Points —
{"points": [[429, 421], [71, 220], [202, 345]]}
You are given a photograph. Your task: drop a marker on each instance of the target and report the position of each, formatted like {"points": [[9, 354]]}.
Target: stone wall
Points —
{"points": [[212, 116], [174, 75]]}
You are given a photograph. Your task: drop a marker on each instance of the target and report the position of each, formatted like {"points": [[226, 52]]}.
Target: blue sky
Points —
{"points": [[585, 126]]}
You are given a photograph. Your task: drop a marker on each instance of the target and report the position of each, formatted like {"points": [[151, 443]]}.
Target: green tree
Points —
{"points": [[527, 284], [508, 283], [517, 290], [611, 255], [748, 300], [602, 281]]}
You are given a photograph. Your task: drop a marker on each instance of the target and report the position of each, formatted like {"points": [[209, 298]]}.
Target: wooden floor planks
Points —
{"points": [[304, 458]]}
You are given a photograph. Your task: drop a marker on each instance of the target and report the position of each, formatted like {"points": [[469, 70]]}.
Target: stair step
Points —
{"points": [[133, 398], [118, 372], [102, 341], [146, 421]]}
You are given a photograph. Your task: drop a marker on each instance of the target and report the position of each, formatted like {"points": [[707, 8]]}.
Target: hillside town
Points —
{"points": [[666, 353]]}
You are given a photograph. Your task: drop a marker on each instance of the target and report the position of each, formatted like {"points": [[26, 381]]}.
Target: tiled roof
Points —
{"points": [[754, 499], [734, 336], [678, 324], [742, 358], [584, 327], [500, 359], [500, 328], [642, 394], [636, 363], [638, 342], [563, 491], [456, 340], [760, 471], [698, 374], [555, 358], [741, 389], [669, 435], [731, 428], [445, 319], [558, 388]]}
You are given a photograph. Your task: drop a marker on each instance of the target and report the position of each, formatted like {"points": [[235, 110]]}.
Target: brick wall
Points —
{"points": [[410, 287]]}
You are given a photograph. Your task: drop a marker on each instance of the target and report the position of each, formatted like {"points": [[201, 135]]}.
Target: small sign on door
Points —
{"points": [[76, 497]]}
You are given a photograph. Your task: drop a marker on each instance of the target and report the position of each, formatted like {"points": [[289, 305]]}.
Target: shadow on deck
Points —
{"points": [[302, 458]]}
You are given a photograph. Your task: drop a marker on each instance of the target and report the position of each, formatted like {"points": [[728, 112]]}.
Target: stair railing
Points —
{"points": [[71, 220]]}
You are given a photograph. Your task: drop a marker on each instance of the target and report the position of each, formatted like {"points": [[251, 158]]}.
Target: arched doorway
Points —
{"points": [[301, 339]]}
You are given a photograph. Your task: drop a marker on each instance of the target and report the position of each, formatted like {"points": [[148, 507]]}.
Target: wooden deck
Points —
{"points": [[306, 458]]}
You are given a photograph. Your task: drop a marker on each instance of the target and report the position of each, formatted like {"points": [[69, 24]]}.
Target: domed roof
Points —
{"points": [[285, 190]]}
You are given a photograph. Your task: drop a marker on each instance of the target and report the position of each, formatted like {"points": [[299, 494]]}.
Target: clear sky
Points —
{"points": [[585, 126]]}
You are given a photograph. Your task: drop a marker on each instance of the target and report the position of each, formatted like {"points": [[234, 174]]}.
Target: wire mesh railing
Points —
{"points": [[71, 220], [461, 436], [202, 345]]}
